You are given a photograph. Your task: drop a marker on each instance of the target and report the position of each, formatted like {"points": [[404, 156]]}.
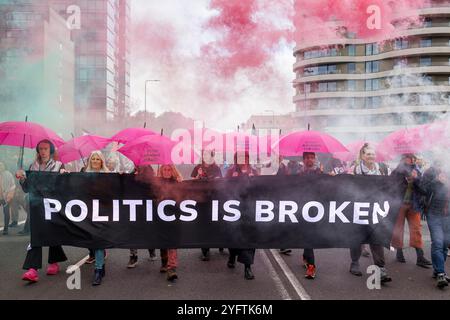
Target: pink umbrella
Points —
{"points": [[296, 143], [353, 152], [26, 134], [147, 150], [405, 141], [81, 147], [131, 134]]}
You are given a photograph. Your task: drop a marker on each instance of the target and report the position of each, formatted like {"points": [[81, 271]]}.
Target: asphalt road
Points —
{"points": [[277, 277]]}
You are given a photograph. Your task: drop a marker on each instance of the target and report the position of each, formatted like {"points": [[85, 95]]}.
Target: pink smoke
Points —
{"points": [[317, 21], [248, 38]]}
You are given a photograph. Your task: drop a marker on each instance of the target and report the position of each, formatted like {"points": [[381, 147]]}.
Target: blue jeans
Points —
{"points": [[99, 258], [439, 230]]}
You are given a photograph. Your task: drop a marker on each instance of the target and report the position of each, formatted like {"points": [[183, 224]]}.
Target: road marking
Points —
{"points": [[19, 224], [78, 265], [273, 273], [290, 276]]}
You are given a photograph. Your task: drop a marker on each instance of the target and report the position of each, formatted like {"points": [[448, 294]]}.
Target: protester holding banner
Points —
{"points": [[310, 167], [435, 186], [408, 172], [207, 170], [144, 174], [97, 164], [169, 260], [242, 168], [45, 161], [368, 167], [7, 190]]}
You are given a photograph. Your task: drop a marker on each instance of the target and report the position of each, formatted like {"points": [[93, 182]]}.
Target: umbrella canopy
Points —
{"points": [[26, 134], [353, 152], [405, 141], [131, 134], [148, 150], [81, 147], [297, 143]]}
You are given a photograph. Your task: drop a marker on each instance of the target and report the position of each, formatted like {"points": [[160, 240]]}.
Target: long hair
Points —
{"points": [[176, 175], [102, 157], [363, 150]]}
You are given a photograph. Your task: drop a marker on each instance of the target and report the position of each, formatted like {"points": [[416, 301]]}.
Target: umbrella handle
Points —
{"points": [[22, 149]]}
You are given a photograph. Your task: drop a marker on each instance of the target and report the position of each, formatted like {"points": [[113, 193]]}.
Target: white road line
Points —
{"points": [[72, 268], [19, 224], [273, 273], [290, 276]]}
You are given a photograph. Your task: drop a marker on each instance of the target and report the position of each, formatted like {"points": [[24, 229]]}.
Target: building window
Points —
{"points": [[401, 44], [427, 23], [322, 87], [371, 49], [351, 50], [332, 86], [351, 67], [372, 66], [332, 69], [425, 42], [372, 84], [425, 61], [351, 85]]}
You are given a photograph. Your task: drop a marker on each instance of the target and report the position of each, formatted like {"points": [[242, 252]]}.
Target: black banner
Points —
{"points": [[120, 211]]}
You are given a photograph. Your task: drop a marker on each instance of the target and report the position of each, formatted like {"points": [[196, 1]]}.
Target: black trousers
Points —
{"points": [[308, 256], [244, 256], [377, 254], [34, 257], [6, 217]]}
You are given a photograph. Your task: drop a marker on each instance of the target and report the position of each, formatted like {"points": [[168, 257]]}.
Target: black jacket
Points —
{"points": [[436, 193]]}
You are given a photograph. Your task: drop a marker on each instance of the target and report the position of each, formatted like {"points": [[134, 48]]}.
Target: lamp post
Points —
{"points": [[306, 71], [145, 99]]}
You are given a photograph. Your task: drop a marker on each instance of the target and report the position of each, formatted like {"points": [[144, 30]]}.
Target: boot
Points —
{"points": [[421, 260], [400, 256], [384, 277], [355, 270], [172, 275], [248, 274], [231, 262], [97, 277]]}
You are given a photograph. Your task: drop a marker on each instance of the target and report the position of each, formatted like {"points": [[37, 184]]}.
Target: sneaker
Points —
{"points": [[355, 269], [248, 273], [172, 275], [52, 269], [384, 277], [31, 276], [163, 269], [132, 263], [286, 251], [445, 275], [310, 272], [90, 260], [400, 257], [441, 281], [423, 262]]}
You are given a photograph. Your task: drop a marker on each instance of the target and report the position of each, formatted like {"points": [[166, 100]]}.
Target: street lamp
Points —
{"points": [[145, 103], [306, 71]]}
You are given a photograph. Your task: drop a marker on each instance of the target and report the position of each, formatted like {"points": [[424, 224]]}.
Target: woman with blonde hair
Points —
{"points": [[97, 164], [169, 261]]}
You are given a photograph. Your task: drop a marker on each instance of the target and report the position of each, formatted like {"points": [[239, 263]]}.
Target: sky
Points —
{"points": [[219, 61], [222, 61]]}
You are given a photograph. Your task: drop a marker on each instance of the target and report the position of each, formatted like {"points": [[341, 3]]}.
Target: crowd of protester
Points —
{"points": [[427, 195]]}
